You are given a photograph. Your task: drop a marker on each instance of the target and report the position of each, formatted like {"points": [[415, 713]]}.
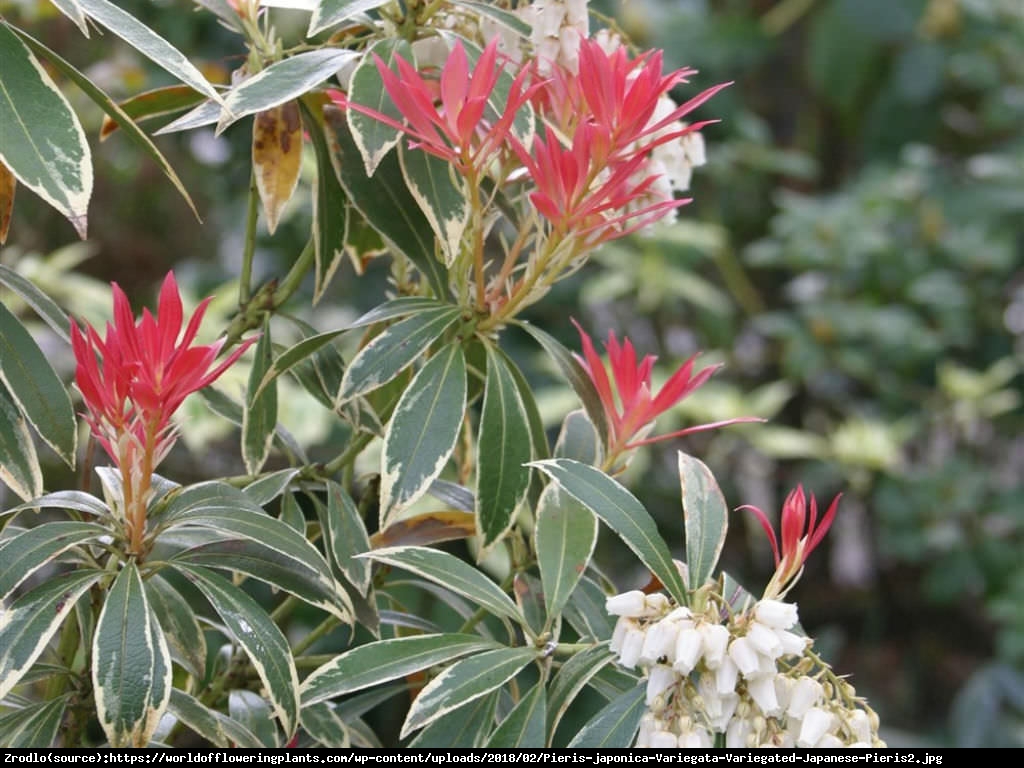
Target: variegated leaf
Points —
{"points": [[158, 102], [373, 137], [440, 195], [210, 724], [24, 554], [330, 12], [260, 416], [564, 539], [345, 537], [277, 157], [573, 678], [615, 726], [73, 11], [705, 519], [526, 724], [181, 629], [8, 186], [19, 464]]}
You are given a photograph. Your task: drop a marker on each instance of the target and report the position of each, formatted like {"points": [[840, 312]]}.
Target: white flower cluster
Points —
{"points": [[746, 676], [558, 26]]}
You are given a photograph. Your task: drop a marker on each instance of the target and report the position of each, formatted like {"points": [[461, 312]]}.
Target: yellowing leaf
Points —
{"points": [[276, 157], [7, 186]]}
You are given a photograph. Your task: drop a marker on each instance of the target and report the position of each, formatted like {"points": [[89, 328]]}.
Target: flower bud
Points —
{"points": [[630, 604], [776, 614], [860, 725], [816, 723], [688, 649], [792, 643], [742, 652], [656, 604]]}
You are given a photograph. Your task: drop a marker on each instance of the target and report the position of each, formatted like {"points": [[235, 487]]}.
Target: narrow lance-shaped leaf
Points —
{"points": [[345, 537], [503, 451], [616, 725], [34, 726], [45, 307], [526, 724], [423, 431], [451, 573], [262, 641], [181, 629], [254, 713], [8, 186], [440, 195], [158, 102], [465, 681], [43, 144], [31, 622], [260, 416], [573, 678], [294, 355], [465, 727], [330, 12], [374, 138], [376, 663], [131, 665], [263, 491], [564, 539], [148, 43], [19, 464], [325, 725], [276, 157], [623, 513], [393, 349], [210, 724], [24, 554], [73, 11], [35, 387], [706, 519]]}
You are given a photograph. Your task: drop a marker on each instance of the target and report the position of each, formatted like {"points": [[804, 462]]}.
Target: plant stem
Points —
{"points": [[249, 250]]}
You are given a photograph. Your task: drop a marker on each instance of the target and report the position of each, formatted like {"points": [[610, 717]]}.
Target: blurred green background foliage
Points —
{"points": [[853, 254]]}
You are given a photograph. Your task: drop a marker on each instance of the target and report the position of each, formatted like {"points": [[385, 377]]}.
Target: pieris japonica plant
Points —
{"points": [[485, 151]]}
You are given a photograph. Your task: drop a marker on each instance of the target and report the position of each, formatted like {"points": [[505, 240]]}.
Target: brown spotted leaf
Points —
{"points": [[426, 529], [276, 157], [7, 186]]}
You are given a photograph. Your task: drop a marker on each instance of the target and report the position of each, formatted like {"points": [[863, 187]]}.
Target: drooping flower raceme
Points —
{"points": [[631, 405], [134, 378]]}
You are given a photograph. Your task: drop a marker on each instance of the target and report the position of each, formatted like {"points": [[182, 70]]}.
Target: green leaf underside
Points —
{"points": [[393, 349], [577, 440], [210, 724], [27, 552], [43, 144], [705, 516], [577, 377], [35, 387], [114, 112], [615, 726], [441, 198], [73, 11], [385, 201], [573, 678], [280, 82], [623, 513], [503, 451], [260, 416], [379, 662], [465, 681], [564, 539], [45, 307], [262, 641], [373, 137], [330, 12], [423, 430], [346, 537], [19, 463], [451, 573], [34, 726], [29, 624], [131, 667], [178, 621], [525, 725], [465, 727]]}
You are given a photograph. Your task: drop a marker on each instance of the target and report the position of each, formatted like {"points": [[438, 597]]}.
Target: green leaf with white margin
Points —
{"points": [[35, 387], [322, 723], [451, 573], [110, 107], [222, 10], [211, 497], [292, 513], [440, 195], [366, 88], [379, 662], [394, 308], [575, 374], [586, 613], [213, 726], [345, 537], [78, 501], [45, 307], [206, 113], [19, 463], [503, 452], [73, 11], [573, 678], [27, 626], [623, 513], [330, 12], [330, 217], [260, 415], [131, 665], [465, 727], [538, 432], [35, 726], [252, 711], [577, 440], [24, 554], [148, 43], [705, 517], [231, 409], [295, 354], [181, 629], [423, 430], [525, 725], [564, 540], [43, 145], [385, 202], [393, 349], [465, 681], [263, 491], [280, 82], [615, 726], [254, 630]]}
